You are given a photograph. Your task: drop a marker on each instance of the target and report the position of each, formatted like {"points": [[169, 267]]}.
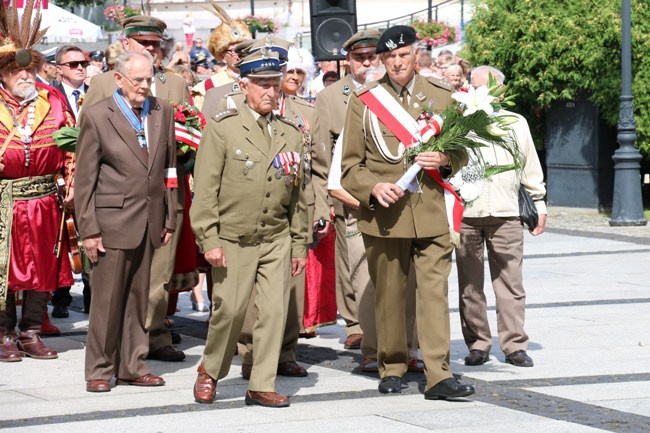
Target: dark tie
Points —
{"points": [[404, 96], [264, 124], [76, 95]]}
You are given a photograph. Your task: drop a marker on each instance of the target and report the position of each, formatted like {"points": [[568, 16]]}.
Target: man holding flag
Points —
{"points": [[400, 225]]}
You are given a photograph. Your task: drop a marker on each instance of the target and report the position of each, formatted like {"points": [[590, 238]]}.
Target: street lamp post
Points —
{"points": [[627, 209]]}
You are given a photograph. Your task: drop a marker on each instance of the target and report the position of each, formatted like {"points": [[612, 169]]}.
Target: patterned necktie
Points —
{"points": [[264, 124], [76, 94]]}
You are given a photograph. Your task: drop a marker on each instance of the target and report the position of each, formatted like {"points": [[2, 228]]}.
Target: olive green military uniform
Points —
{"points": [[413, 229], [244, 204], [294, 108], [331, 104]]}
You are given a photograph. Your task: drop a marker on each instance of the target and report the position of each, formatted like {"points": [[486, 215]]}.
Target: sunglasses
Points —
{"points": [[75, 64]]}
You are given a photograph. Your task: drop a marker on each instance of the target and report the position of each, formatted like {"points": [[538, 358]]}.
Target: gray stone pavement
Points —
{"points": [[588, 296]]}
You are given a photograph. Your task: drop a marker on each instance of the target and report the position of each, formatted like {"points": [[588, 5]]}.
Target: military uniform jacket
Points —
{"points": [[239, 195], [329, 117], [118, 194], [417, 215]]}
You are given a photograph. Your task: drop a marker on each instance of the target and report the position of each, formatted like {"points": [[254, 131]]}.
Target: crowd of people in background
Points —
{"points": [[286, 159]]}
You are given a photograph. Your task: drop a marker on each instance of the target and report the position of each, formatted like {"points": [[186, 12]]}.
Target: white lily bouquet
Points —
{"points": [[467, 125]]}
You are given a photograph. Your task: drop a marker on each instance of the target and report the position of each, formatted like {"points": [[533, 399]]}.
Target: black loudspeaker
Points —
{"points": [[332, 23]]}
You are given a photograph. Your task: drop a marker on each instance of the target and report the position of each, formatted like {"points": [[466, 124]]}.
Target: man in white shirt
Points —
{"points": [[493, 221], [71, 64]]}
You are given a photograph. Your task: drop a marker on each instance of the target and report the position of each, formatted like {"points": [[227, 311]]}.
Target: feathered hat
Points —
{"points": [[228, 32], [17, 37], [300, 58]]}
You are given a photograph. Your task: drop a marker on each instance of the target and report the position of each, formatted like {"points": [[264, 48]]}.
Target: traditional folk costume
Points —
{"points": [[30, 213]]}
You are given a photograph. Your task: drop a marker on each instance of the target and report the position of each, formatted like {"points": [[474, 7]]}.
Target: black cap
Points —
{"points": [[396, 37], [96, 55]]}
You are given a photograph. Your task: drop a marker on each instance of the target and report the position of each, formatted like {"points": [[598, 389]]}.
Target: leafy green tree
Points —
{"points": [[560, 50]]}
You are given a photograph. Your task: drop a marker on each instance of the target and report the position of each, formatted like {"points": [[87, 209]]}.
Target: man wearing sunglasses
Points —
{"points": [[144, 33], [71, 66]]}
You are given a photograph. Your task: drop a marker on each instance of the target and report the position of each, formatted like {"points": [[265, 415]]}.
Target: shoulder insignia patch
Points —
{"points": [[440, 83], [225, 114], [235, 87], [161, 77], [346, 90], [363, 89]]}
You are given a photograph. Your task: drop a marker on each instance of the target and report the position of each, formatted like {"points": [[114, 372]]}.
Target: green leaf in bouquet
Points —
{"points": [[66, 138]]}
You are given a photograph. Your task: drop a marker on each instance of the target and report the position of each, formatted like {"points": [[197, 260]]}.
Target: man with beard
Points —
{"points": [[144, 33], [29, 160]]}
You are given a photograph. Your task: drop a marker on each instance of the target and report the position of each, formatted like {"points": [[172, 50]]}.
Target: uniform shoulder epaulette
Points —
{"points": [[225, 114], [288, 122], [439, 82], [363, 89], [300, 101]]}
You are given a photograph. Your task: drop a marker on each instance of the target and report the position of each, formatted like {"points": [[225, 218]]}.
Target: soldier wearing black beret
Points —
{"points": [[400, 228]]}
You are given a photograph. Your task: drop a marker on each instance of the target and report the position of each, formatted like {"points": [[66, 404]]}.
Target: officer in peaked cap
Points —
{"points": [[144, 27], [411, 228], [362, 42], [261, 238], [273, 44]]}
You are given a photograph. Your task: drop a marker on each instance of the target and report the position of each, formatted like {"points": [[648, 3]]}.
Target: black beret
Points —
{"points": [[396, 37]]}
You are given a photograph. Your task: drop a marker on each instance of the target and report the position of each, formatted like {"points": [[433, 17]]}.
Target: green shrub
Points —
{"points": [[558, 50]]}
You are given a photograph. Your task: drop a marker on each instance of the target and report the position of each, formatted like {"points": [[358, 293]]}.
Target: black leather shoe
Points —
{"points": [[391, 385], [519, 359], [448, 388], [167, 354], [60, 312], [476, 357]]}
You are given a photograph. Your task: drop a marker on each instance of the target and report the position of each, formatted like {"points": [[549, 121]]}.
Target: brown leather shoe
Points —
{"points": [[353, 341], [144, 380], [205, 387], [291, 369], [246, 371], [369, 365], [167, 354], [29, 343], [98, 386], [415, 366], [8, 350], [266, 399]]}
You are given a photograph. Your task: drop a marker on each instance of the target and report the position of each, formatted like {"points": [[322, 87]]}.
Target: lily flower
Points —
{"points": [[475, 100]]}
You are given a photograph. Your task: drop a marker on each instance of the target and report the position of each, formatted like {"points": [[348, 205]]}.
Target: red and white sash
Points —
{"points": [[411, 133]]}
